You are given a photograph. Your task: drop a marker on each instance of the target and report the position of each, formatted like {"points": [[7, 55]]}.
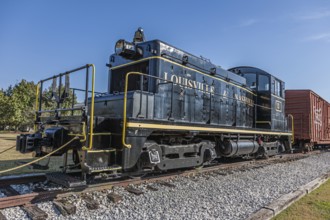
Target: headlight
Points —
{"points": [[125, 49]]}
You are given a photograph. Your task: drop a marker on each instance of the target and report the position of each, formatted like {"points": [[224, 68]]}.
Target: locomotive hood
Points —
{"points": [[127, 52]]}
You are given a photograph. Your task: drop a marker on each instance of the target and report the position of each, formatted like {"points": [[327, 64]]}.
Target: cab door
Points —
{"points": [[263, 103], [278, 102]]}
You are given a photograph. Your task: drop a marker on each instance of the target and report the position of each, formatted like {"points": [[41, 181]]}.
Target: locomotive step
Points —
{"points": [[105, 169], [105, 150]]}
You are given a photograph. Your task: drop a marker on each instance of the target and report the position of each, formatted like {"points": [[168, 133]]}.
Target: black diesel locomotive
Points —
{"points": [[164, 109]]}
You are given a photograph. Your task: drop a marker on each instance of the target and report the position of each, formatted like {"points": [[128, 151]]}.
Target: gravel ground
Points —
{"points": [[206, 196], [48, 186], [23, 189], [14, 213]]}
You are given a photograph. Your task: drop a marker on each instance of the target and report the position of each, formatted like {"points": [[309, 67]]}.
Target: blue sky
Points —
{"points": [[288, 38]]}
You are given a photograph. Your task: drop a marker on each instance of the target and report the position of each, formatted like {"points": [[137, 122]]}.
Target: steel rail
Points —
{"points": [[22, 179]]}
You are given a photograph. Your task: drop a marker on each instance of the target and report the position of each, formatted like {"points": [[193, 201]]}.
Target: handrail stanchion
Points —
{"points": [[72, 104], [91, 126], [172, 91], [37, 106], [123, 137], [292, 127], [141, 95]]}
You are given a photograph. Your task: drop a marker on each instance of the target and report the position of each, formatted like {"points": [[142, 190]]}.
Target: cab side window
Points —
{"points": [[277, 88]]}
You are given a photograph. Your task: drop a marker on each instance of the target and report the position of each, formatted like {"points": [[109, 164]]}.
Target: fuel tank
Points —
{"points": [[230, 148]]}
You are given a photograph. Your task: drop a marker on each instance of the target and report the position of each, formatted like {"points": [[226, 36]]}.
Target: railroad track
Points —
{"points": [[27, 201]]}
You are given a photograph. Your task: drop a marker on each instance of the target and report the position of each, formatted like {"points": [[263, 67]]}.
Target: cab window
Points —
{"points": [[251, 80], [118, 78], [263, 83]]}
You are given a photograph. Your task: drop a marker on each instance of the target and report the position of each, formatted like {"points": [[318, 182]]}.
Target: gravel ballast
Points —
{"points": [[206, 196]]}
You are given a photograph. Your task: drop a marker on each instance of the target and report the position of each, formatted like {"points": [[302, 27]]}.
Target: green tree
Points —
{"points": [[3, 109], [7, 109], [18, 104], [23, 104]]}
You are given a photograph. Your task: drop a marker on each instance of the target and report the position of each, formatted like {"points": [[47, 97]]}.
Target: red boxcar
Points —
{"points": [[311, 114]]}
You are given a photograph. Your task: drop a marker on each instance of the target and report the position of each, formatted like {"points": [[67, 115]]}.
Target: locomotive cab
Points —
{"points": [[270, 99]]}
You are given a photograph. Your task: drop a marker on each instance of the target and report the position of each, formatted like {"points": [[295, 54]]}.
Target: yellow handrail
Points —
{"points": [[90, 142], [91, 125], [37, 106], [123, 137], [292, 127], [125, 103]]}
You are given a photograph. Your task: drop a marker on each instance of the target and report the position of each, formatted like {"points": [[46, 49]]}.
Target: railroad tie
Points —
{"points": [[2, 217], [91, 204], [220, 173], [194, 180], [9, 191], [39, 189], [152, 188], [60, 208], [171, 185], [34, 212], [134, 190], [65, 208], [115, 198], [69, 208]]}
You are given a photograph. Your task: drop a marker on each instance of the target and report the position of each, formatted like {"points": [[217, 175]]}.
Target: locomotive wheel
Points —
{"points": [[137, 176], [138, 172], [141, 165], [265, 156]]}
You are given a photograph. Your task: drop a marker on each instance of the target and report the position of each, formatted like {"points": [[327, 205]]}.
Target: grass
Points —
{"points": [[313, 206], [8, 140]]}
